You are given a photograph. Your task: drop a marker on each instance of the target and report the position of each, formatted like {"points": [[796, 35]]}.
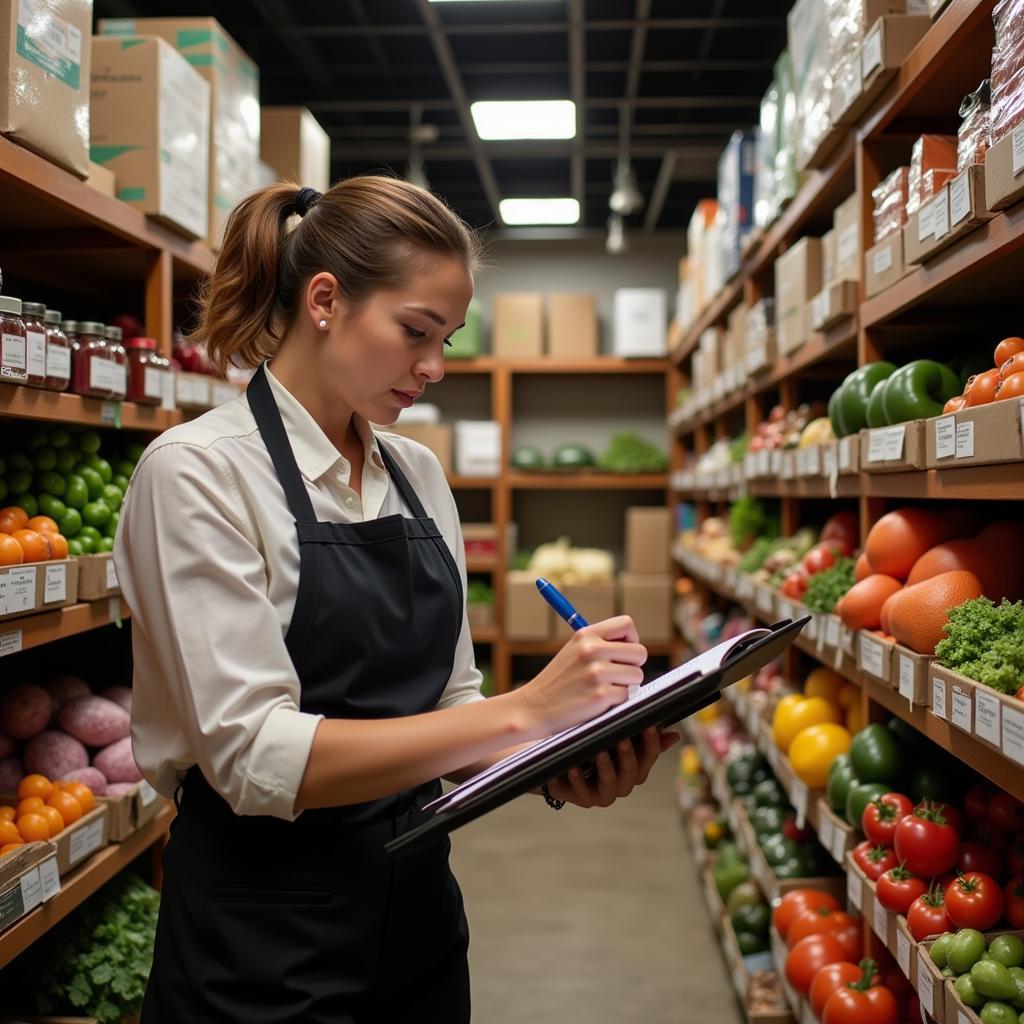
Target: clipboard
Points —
{"points": [[663, 709]]}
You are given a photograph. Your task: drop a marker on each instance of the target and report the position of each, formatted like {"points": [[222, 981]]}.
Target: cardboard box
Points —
{"points": [[477, 448], [849, 248], [527, 615], [82, 839], [595, 601], [97, 577], [130, 811], [979, 436], [294, 144], [931, 985], [103, 180], [828, 257], [996, 720], [1004, 171], [952, 697], [893, 449], [38, 587], [910, 674], [954, 211], [874, 656], [234, 140], [150, 124], [648, 601], [883, 265], [956, 1010], [44, 79], [28, 878], [435, 436], [848, 455], [572, 325], [797, 280], [640, 323], [648, 540], [835, 303], [518, 325]]}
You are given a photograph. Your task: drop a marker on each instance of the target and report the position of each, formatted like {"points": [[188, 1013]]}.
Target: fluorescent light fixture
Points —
{"points": [[556, 210], [525, 119]]}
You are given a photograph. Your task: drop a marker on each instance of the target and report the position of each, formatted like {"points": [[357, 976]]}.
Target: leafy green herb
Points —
{"points": [[825, 588], [756, 554], [749, 520], [985, 642], [630, 453], [738, 447], [479, 592]]}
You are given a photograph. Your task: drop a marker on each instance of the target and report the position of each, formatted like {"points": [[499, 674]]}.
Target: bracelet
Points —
{"points": [[554, 804]]}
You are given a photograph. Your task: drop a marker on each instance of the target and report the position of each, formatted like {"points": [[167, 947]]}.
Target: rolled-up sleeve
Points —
{"points": [[215, 661]]}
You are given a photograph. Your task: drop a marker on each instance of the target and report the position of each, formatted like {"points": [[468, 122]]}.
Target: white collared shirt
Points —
{"points": [[207, 556]]}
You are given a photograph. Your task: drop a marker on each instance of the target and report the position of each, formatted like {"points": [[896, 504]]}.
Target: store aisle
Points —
{"points": [[591, 916]]}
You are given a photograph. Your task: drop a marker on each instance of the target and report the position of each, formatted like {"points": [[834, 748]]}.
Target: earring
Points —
{"points": [[323, 325]]}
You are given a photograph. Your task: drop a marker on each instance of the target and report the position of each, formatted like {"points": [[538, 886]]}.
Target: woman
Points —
{"points": [[303, 669]]}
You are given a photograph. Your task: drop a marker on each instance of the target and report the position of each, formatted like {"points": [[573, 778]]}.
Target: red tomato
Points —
{"points": [[974, 900], [1013, 902], [1012, 387], [795, 902], [1015, 856], [852, 939], [925, 843], [794, 584], [927, 915], [808, 956], [981, 388], [978, 857], [875, 1005], [1012, 366], [976, 801], [873, 860], [819, 558], [799, 835], [898, 888], [1008, 347], [881, 816], [843, 527], [984, 833], [830, 978], [813, 922], [1006, 813]]}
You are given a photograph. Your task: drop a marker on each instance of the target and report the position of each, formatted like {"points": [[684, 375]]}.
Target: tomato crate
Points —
{"points": [[779, 953], [883, 922], [97, 577], [834, 833]]}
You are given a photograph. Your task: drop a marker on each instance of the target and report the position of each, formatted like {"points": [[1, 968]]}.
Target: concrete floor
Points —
{"points": [[592, 916]]}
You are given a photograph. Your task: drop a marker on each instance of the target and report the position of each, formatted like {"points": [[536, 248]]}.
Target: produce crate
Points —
{"points": [[874, 656], [97, 577], [37, 587], [835, 833], [130, 811], [930, 986], [716, 908], [983, 435], [76, 842], [956, 1010], [995, 719], [28, 877], [860, 893]]}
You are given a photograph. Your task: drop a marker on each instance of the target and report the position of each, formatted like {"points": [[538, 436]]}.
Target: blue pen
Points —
{"points": [[561, 604]]}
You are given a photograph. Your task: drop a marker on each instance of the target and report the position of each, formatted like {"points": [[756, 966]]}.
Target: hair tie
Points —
{"points": [[305, 199]]}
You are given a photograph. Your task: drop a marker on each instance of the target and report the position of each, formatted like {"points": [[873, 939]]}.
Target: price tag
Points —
{"points": [[786, 610], [764, 600], [872, 657], [906, 684], [21, 590], [814, 461], [114, 610], [822, 621], [903, 952], [925, 983], [811, 629], [1013, 734], [940, 205], [871, 52], [926, 221], [11, 905], [945, 437], [962, 1018], [965, 439], [845, 460], [111, 575], [832, 635], [880, 921], [961, 716], [881, 259], [854, 889], [826, 831], [886, 444], [959, 199], [31, 889], [798, 798], [775, 462], [55, 587], [938, 698], [839, 849], [1018, 149], [986, 716], [831, 463], [167, 390], [49, 879], [819, 309], [10, 642], [85, 841]]}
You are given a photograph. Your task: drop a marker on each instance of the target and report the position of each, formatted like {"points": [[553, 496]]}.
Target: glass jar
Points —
{"points": [[32, 314], [119, 357], [91, 366], [147, 371], [12, 339], [58, 353]]}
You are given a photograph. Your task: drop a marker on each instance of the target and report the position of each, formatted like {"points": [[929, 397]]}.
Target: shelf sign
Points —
{"points": [[962, 706], [1018, 149], [882, 260], [926, 221], [959, 199], [885, 444], [56, 585], [798, 793], [940, 209], [925, 983], [907, 679], [854, 889], [965, 439], [1013, 734], [85, 840], [938, 697], [880, 921], [10, 642], [826, 832], [903, 952], [832, 631], [986, 716], [871, 52], [872, 657], [839, 846], [110, 414], [945, 437]]}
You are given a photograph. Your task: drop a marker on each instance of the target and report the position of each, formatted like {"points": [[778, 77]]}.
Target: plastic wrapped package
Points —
{"points": [[736, 197], [784, 185], [890, 198], [931, 153], [767, 149], [1007, 68], [974, 137], [844, 19], [807, 26]]}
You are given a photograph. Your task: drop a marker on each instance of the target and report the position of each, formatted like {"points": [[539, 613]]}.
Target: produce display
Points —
{"points": [[564, 565], [999, 383], [796, 428], [988, 973], [985, 642], [627, 452], [44, 809]]}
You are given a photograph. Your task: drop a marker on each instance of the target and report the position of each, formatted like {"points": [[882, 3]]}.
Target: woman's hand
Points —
{"points": [[592, 672], [614, 778]]}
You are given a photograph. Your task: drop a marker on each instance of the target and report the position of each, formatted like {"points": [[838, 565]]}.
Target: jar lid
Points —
{"points": [[146, 343], [9, 304], [52, 316], [33, 308], [91, 327], [113, 333], [69, 326]]}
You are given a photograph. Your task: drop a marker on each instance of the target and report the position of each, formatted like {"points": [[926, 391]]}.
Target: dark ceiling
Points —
{"points": [[683, 73]]}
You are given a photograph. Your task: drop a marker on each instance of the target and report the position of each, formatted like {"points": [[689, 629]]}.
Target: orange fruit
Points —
{"points": [[82, 793], [34, 828], [42, 524], [70, 809], [981, 388], [10, 549], [1008, 348], [33, 545], [1000, 575], [35, 785], [862, 570], [58, 545], [917, 614], [53, 819], [14, 514], [8, 813], [9, 832], [9, 848], [29, 804], [861, 607], [902, 536], [1012, 387]]}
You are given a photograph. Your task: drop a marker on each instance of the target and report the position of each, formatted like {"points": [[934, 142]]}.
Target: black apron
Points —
{"points": [[266, 921]]}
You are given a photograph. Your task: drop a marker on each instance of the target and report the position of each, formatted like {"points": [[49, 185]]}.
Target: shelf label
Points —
{"points": [[940, 208], [959, 199], [114, 610], [839, 847], [786, 610], [826, 832], [814, 461], [56, 586], [832, 636], [85, 840], [906, 684], [938, 698], [110, 414], [1018, 149], [764, 600], [111, 575], [845, 454], [945, 437], [798, 793], [854, 889], [12, 905], [850, 83], [21, 590], [10, 642], [880, 921], [926, 221], [925, 982], [167, 391], [819, 309], [1013, 734], [49, 878], [831, 464], [986, 716], [871, 52], [885, 444], [881, 260], [31, 889], [903, 951], [961, 716], [965, 439], [872, 657], [811, 629]]}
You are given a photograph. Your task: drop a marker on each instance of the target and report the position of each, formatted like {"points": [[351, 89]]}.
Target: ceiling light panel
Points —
{"points": [[552, 210], [524, 119]]}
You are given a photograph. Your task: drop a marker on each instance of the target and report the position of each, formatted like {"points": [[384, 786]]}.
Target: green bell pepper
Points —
{"points": [[875, 415], [848, 406], [875, 754], [918, 390], [860, 796], [840, 779]]}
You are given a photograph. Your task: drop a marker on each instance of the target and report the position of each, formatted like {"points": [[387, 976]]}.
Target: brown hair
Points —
{"points": [[366, 231]]}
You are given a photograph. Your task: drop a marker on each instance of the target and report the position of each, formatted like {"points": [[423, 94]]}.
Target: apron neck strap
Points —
{"points": [[404, 487]]}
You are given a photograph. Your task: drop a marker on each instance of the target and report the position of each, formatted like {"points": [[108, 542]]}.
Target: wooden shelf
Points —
{"points": [[482, 364], [718, 310], [481, 563], [45, 627], [543, 648], [587, 481], [602, 364], [471, 483], [27, 403], [805, 487], [80, 884], [485, 636]]}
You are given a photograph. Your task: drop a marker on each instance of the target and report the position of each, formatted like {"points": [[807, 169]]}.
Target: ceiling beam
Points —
{"points": [[443, 52], [383, 65], [597, 102], [385, 149], [276, 14], [578, 94], [707, 40], [660, 191]]}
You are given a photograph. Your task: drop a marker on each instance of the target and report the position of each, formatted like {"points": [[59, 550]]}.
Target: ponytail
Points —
{"points": [[366, 231]]}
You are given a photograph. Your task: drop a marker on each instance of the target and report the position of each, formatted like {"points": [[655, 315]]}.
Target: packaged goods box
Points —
{"points": [[478, 448], [849, 247], [641, 322], [518, 325], [527, 615], [648, 540], [150, 127], [234, 140], [572, 325], [435, 436], [44, 79], [294, 144], [647, 600], [595, 602], [1004, 171], [797, 281]]}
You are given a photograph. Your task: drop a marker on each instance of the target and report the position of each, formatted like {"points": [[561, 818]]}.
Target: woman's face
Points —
{"points": [[380, 356]]}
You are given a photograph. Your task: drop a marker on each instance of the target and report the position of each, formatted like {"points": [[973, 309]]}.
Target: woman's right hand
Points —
{"points": [[592, 672]]}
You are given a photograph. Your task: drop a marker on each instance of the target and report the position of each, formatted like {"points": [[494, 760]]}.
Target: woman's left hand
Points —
{"points": [[614, 778]]}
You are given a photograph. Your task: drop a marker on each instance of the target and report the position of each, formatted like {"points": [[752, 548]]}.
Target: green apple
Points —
{"points": [[96, 513], [93, 481], [77, 493], [90, 442], [113, 496], [75, 547], [52, 507], [70, 523], [45, 458], [53, 483], [27, 502]]}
